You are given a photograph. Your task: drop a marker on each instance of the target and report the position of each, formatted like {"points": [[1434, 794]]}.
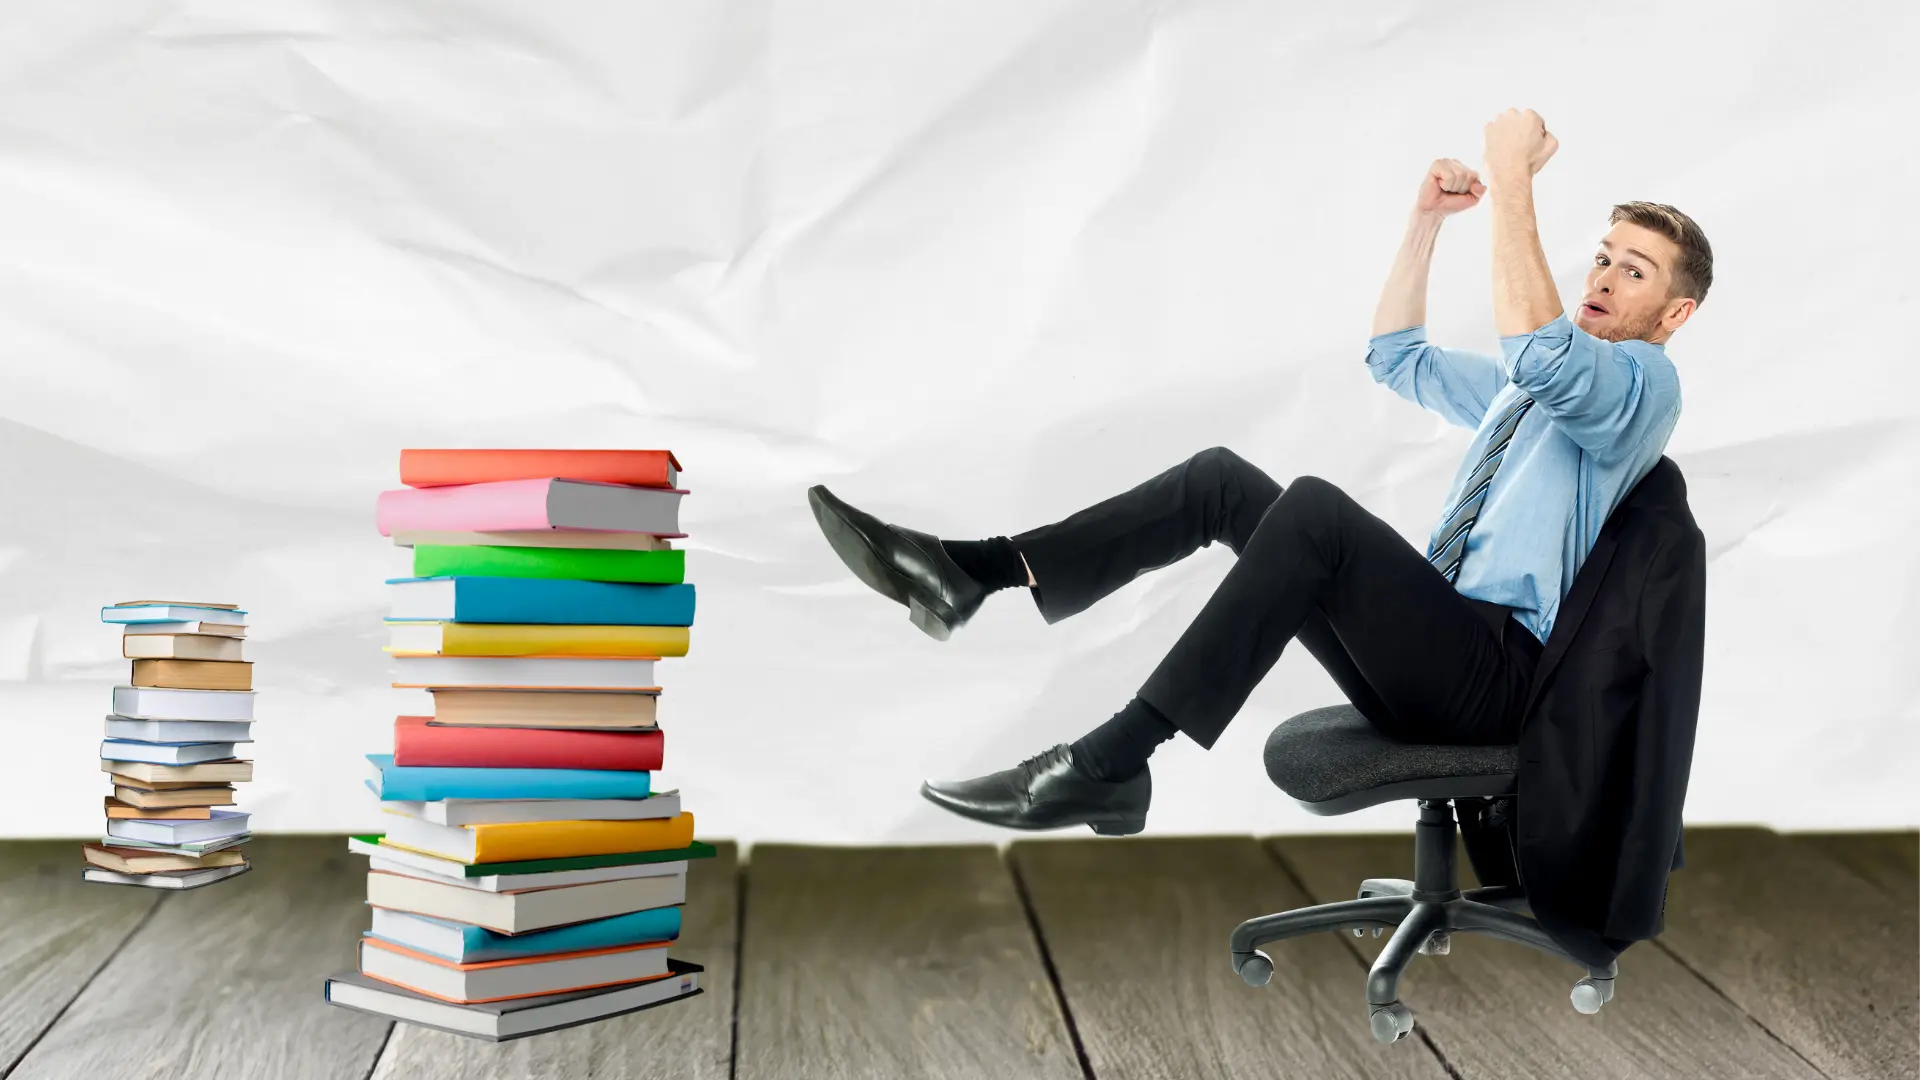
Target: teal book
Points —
{"points": [[549, 601], [431, 783], [465, 944]]}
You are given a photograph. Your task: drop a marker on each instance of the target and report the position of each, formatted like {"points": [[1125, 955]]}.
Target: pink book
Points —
{"points": [[516, 505]]}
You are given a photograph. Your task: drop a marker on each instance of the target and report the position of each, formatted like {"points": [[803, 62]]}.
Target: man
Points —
{"points": [[1436, 646]]}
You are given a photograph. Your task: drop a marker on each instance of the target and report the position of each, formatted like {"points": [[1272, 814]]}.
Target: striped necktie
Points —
{"points": [[1445, 554]]}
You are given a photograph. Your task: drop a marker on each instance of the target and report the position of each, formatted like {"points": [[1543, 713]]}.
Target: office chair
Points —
{"points": [[1333, 761]]}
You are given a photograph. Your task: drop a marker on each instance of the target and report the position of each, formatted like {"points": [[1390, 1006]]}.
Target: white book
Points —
{"points": [[164, 753], [435, 937], [550, 879], [499, 1021], [206, 772], [177, 831], [167, 879], [467, 983], [447, 841], [163, 703], [159, 613], [520, 911], [395, 860], [179, 731], [200, 847], [183, 647], [231, 630], [665, 804], [563, 672]]}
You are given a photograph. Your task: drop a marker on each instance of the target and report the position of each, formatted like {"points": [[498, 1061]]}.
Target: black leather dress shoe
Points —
{"points": [[909, 567], [1046, 791]]}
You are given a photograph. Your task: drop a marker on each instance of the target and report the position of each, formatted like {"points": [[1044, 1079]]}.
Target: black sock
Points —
{"points": [[993, 563], [1118, 749]]}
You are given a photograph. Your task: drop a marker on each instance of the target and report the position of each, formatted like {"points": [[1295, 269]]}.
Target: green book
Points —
{"points": [[572, 564], [695, 850]]}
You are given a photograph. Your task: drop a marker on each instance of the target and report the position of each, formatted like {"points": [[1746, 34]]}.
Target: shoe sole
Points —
{"points": [[1106, 826], [932, 617]]}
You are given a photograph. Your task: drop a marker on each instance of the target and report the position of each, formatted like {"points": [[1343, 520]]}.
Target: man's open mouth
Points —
{"points": [[1593, 308]]}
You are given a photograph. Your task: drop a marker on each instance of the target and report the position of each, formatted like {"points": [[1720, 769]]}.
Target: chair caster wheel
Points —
{"points": [[1255, 970], [1391, 1023], [1590, 993]]}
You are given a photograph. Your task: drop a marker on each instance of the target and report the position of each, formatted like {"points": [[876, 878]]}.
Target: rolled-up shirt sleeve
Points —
{"points": [[1456, 384], [1609, 397]]}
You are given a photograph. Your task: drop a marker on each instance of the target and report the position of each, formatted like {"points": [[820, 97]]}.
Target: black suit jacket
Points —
{"points": [[1607, 745]]}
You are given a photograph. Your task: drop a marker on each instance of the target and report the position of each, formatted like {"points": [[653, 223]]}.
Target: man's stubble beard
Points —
{"points": [[1641, 330]]}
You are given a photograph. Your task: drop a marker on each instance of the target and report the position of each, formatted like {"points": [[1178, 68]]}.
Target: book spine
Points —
{"points": [[449, 467], [416, 744], [172, 674], [433, 783], [557, 602], [494, 639], [577, 564], [634, 928], [523, 841]]}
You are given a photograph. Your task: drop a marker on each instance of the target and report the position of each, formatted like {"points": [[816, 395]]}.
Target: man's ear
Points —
{"points": [[1677, 313]]}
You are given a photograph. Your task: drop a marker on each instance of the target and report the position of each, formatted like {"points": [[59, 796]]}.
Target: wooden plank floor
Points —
{"points": [[1821, 955], [1137, 931], [223, 979], [1059, 957], [890, 962], [55, 932]]}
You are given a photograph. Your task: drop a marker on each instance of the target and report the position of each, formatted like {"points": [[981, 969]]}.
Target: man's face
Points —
{"points": [[1626, 294]]}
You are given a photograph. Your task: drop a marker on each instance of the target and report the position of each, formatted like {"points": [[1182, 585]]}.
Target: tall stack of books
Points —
{"points": [[529, 875], [170, 747]]}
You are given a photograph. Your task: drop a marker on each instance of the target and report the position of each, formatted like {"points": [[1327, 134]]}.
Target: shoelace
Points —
{"points": [[1033, 764]]}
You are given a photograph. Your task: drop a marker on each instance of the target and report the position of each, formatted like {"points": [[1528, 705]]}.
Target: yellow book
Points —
{"points": [[520, 841], [514, 639]]}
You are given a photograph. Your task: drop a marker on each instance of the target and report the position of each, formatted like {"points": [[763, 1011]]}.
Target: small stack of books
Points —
{"points": [[170, 747], [530, 875]]}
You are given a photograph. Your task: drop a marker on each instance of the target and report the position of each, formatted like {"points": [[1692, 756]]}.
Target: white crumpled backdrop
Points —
{"points": [[974, 265]]}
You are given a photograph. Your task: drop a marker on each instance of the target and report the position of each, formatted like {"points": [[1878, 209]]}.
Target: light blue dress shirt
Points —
{"points": [[1601, 417]]}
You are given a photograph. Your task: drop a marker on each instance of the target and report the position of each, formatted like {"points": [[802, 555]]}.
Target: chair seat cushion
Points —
{"points": [[1334, 761]]}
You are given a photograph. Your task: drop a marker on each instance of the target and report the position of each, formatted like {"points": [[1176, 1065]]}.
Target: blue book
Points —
{"points": [[139, 614], [557, 602], [165, 753], [465, 944], [431, 783]]}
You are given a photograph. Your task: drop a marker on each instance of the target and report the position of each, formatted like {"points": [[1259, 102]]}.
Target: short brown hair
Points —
{"points": [[1694, 275]]}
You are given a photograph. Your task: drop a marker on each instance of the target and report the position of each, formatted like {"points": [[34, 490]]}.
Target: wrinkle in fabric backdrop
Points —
{"points": [[974, 266]]}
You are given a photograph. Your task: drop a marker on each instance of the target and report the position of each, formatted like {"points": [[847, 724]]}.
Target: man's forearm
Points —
{"points": [[1403, 303], [1524, 298]]}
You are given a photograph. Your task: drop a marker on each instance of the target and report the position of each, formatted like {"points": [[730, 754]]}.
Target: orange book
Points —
{"points": [[445, 468], [194, 674], [526, 841]]}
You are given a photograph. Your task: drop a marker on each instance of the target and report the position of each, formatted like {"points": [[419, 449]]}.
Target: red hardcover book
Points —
{"points": [[420, 468], [416, 742]]}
